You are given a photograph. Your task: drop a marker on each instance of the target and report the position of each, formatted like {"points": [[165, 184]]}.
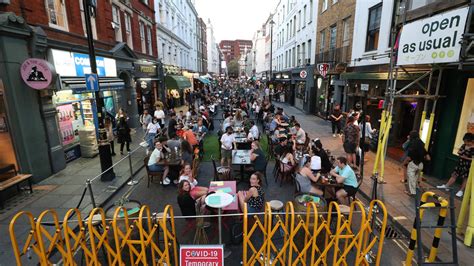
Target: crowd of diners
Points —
{"points": [[248, 119]]}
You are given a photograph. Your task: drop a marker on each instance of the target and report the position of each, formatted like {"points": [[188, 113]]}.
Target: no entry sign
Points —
{"points": [[202, 255]]}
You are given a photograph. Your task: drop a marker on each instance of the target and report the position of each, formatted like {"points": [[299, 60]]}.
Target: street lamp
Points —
{"points": [[271, 48], [104, 145]]}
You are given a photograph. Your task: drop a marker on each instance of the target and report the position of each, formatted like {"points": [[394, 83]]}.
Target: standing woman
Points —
{"points": [[123, 133], [254, 197], [110, 135], [151, 131]]}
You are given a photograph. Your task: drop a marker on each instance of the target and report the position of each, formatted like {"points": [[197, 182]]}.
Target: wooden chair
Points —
{"points": [[359, 183], [285, 176], [151, 175]]}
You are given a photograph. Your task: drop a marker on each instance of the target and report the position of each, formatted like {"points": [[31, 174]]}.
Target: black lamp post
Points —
{"points": [[104, 145]]}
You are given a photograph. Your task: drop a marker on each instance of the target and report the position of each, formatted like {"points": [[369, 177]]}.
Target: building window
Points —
{"points": [[116, 23], [304, 16], [415, 4], [303, 51], [346, 32], [298, 56], [334, 1], [332, 37], [294, 25], [144, 1], [324, 6], [142, 36], [57, 13], [149, 40], [309, 53], [128, 29], [299, 20], [322, 44], [310, 11], [373, 28], [294, 57]]}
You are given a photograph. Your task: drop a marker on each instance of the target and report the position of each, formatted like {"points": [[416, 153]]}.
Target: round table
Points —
{"points": [[218, 201]]}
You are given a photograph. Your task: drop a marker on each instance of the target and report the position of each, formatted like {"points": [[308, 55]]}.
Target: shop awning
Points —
{"points": [[177, 82], [378, 75], [78, 84], [203, 80]]}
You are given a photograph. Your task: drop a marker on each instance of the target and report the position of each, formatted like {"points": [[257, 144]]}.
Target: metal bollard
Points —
{"points": [[89, 187], [132, 182]]}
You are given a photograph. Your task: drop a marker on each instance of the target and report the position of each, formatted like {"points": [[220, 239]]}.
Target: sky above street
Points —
{"points": [[235, 19]]}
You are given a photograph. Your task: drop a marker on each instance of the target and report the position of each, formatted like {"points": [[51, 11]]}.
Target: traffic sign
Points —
{"points": [[202, 255], [92, 82], [303, 74]]}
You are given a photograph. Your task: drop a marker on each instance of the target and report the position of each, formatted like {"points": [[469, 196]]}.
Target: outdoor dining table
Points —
{"points": [[242, 158], [330, 184], [225, 199]]}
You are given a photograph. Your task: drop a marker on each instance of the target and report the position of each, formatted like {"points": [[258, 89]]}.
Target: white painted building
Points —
{"points": [[258, 52], [370, 43], [294, 34], [212, 50], [177, 22]]}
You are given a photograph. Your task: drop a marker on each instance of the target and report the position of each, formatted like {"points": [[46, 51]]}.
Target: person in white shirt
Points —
{"points": [[254, 130], [196, 191], [227, 143], [160, 115], [300, 134], [151, 131], [155, 162]]}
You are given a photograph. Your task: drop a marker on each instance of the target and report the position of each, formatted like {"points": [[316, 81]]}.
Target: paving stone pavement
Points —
{"points": [[401, 207], [63, 191]]}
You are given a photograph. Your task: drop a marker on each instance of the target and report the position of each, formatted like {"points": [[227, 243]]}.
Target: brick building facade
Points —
{"points": [[233, 50]]}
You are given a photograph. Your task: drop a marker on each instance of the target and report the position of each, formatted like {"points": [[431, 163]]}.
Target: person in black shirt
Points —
{"points": [[326, 164], [336, 120], [185, 201], [172, 125], [280, 148], [414, 162]]}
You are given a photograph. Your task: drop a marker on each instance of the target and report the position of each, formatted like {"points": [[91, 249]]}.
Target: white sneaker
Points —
{"points": [[147, 152], [442, 186], [333, 135], [167, 181], [459, 194]]}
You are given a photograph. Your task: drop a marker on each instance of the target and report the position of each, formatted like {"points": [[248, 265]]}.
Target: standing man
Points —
{"points": [[145, 119], [172, 125], [227, 143], [336, 119], [414, 161], [160, 115]]}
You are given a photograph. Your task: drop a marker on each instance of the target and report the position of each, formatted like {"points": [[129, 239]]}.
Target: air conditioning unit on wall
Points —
{"points": [[5, 2]]}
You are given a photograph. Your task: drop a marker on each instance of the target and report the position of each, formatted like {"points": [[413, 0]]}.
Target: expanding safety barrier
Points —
{"points": [[338, 237], [314, 238]]}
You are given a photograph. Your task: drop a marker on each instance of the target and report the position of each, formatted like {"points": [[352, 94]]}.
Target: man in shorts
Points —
{"points": [[346, 176]]}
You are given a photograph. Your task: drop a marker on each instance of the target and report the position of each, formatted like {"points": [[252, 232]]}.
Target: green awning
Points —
{"points": [[177, 82], [203, 80], [379, 75]]}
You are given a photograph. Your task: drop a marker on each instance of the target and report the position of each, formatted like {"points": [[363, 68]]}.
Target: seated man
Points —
{"points": [[300, 135], [189, 136], [258, 158], [346, 176], [155, 162]]}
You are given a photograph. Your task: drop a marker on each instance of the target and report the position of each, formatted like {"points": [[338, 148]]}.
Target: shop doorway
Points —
{"points": [[7, 150]]}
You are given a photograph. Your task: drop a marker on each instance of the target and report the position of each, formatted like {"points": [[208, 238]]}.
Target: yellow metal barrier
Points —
{"points": [[467, 211], [441, 203], [379, 163], [309, 238], [312, 238], [136, 241]]}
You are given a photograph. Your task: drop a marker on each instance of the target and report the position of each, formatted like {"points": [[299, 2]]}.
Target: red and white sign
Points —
{"points": [[323, 69], [303, 74], [202, 255], [37, 73]]}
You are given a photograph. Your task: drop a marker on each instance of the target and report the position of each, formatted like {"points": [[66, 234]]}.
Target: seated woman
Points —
{"points": [[196, 191], [186, 203], [287, 159], [306, 179], [315, 162], [156, 160], [318, 149], [254, 197]]}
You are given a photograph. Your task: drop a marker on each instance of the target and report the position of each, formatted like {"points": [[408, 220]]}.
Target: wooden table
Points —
{"points": [[330, 185], [242, 158]]}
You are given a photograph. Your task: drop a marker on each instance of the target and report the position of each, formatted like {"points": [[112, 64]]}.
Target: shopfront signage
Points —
{"points": [[69, 64], [323, 69], [364, 87], [202, 255], [145, 70], [303, 74], [37, 73], [433, 40]]}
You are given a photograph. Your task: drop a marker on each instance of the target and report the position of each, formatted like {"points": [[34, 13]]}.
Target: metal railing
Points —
{"points": [[335, 55]]}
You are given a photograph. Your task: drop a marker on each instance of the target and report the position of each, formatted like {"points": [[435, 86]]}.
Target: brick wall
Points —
{"points": [[34, 11], [335, 15]]}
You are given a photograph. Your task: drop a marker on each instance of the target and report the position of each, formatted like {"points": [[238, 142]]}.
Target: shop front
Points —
{"points": [[76, 105], [282, 90], [175, 88], [303, 84], [147, 81]]}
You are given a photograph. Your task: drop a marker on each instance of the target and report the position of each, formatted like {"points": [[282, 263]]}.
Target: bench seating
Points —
{"points": [[16, 180]]}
